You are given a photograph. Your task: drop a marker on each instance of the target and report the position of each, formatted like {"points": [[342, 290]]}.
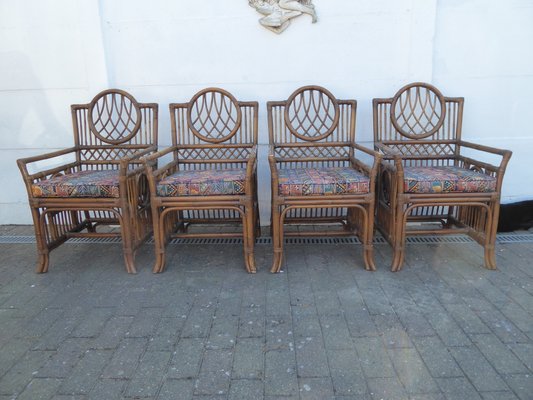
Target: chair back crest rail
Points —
{"points": [[312, 128]]}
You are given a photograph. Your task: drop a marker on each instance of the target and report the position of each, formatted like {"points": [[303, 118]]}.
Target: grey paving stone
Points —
{"points": [[412, 372], [12, 352], [311, 359], [92, 324], [252, 322], [223, 334], [335, 332], [427, 396], [57, 333], [37, 326], [198, 323], [498, 396], [280, 373], [40, 389], [478, 370], [22, 372], [145, 323], [360, 323], [327, 303], [522, 385], [249, 359], [69, 353], [279, 333], [392, 331], [373, 357], [85, 374], [316, 389], [458, 389], [524, 351], [125, 358], [437, 358], [447, 329], [278, 302], [246, 389], [502, 327], [306, 325], [215, 373], [376, 301], [177, 389], [187, 358], [149, 374], [346, 373], [499, 355], [386, 389], [113, 332], [107, 389], [467, 319]]}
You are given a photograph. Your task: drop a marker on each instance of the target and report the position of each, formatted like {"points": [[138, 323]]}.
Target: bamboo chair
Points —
{"points": [[427, 178], [103, 185], [211, 177], [317, 174]]}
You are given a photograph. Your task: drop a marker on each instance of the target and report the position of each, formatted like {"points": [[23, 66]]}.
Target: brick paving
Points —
{"points": [[443, 328]]}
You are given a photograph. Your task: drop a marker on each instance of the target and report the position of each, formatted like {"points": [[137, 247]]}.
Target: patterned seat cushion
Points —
{"points": [[447, 180], [79, 184], [322, 181], [203, 183]]}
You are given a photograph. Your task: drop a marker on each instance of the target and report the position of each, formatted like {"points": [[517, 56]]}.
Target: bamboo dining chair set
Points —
{"points": [[420, 178]]}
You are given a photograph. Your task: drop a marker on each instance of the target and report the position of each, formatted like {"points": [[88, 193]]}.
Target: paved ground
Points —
{"points": [[443, 328]]}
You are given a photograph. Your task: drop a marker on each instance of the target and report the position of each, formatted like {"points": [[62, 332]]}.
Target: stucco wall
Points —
{"points": [[57, 52]]}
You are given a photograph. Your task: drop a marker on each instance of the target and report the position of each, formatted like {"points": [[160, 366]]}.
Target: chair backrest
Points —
{"points": [[312, 126], [113, 125], [419, 120]]}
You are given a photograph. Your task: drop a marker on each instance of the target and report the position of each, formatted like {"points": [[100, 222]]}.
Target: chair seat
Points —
{"points": [[203, 183], [322, 181], [447, 180], [80, 184]]}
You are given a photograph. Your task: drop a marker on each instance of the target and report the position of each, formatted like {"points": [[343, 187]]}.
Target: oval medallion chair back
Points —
{"points": [[211, 177], [318, 176], [104, 182], [429, 174]]}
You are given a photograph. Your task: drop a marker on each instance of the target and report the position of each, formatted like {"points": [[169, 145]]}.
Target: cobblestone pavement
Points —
{"points": [[443, 328]]}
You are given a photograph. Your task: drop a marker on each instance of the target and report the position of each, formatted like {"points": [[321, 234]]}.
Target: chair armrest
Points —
{"points": [[371, 170], [505, 154], [487, 149], [389, 153], [23, 164]]}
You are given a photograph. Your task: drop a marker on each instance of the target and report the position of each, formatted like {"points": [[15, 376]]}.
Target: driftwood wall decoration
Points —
{"points": [[278, 13]]}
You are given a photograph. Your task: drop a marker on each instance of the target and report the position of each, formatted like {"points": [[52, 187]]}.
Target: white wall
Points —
{"points": [[57, 52]]}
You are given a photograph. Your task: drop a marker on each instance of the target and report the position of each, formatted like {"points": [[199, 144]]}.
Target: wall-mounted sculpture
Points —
{"points": [[278, 13]]}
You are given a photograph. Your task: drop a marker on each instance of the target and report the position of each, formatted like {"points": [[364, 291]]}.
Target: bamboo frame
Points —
{"points": [[426, 131], [111, 132], [313, 128], [212, 131]]}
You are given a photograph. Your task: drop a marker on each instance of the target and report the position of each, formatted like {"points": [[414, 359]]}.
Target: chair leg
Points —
{"points": [[277, 239], [248, 236], [398, 240], [490, 245], [368, 244], [43, 260], [159, 242], [127, 241]]}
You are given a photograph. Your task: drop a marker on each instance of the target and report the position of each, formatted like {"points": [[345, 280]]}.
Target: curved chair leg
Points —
{"points": [[368, 251], [490, 257], [129, 260], [368, 257], [490, 247], [42, 263], [277, 239], [248, 236], [159, 242], [398, 244]]}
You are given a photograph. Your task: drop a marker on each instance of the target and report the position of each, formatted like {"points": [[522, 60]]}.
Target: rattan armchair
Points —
{"points": [[318, 176], [103, 183], [429, 175], [211, 177]]}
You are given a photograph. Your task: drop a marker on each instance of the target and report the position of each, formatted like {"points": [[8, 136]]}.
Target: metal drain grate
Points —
{"points": [[453, 239]]}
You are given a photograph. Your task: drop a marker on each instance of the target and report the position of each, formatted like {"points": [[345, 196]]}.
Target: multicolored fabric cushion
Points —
{"points": [[447, 180], [203, 183], [79, 184], [322, 181]]}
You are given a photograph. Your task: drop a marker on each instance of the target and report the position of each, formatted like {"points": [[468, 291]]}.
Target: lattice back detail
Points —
{"points": [[418, 110], [312, 113], [114, 116], [214, 115]]}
